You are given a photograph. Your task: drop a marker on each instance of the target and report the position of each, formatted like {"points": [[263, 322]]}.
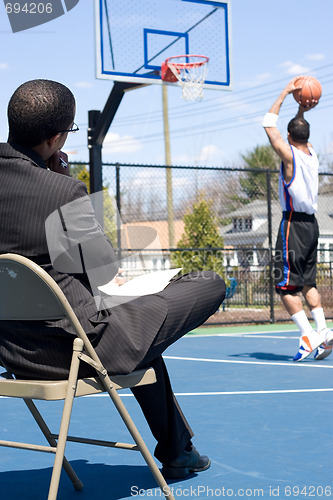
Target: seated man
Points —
{"points": [[126, 337]]}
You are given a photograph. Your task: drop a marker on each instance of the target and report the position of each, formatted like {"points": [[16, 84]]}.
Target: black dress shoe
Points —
{"points": [[184, 464]]}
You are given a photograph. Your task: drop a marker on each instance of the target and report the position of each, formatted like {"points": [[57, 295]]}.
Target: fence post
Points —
{"points": [[118, 201], [270, 246]]}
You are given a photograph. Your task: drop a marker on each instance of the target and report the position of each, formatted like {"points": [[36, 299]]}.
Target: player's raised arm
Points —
{"points": [[280, 146]]}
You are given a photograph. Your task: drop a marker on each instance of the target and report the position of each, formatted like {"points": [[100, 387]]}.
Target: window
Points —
{"points": [[322, 252], [330, 246], [248, 224], [249, 256], [241, 225]]}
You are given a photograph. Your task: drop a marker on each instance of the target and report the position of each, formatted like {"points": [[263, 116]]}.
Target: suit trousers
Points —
{"points": [[190, 299]]}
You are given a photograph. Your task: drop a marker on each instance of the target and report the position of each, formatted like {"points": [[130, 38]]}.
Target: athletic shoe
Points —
{"points": [[322, 351], [329, 337], [309, 342], [325, 348]]}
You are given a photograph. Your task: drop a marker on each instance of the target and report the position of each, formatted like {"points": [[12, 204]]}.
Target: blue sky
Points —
{"points": [[272, 41]]}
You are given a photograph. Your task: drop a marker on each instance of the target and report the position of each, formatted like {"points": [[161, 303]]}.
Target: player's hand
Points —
{"points": [[302, 109], [290, 88], [309, 105], [58, 162]]}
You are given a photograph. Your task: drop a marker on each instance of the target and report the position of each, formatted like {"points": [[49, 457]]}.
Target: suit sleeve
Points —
{"points": [[77, 243]]}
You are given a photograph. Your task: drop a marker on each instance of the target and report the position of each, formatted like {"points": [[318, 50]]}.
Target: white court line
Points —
{"points": [[239, 334], [207, 360], [219, 393], [227, 393], [232, 393], [253, 336], [246, 335]]}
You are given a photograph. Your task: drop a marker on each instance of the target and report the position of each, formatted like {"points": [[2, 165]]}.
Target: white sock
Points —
{"points": [[302, 322], [319, 318]]}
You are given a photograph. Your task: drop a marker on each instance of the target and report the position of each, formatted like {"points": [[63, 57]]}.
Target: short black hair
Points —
{"points": [[38, 110], [299, 130]]}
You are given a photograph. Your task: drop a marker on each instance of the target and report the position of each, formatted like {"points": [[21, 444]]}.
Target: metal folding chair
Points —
{"points": [[230, 292], [27, 292]]}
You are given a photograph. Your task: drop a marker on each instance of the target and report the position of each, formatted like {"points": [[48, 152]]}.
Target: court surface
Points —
{"points": [[265, 422]]}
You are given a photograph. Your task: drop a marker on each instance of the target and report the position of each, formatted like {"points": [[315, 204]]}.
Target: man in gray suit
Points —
{"points": [[128, 336]]}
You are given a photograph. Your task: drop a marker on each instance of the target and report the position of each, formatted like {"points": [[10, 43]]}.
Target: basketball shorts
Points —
{"points": [[295, 260]]}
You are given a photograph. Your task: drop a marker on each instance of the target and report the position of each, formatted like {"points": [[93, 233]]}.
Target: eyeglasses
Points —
{"points": [[74, 128]]}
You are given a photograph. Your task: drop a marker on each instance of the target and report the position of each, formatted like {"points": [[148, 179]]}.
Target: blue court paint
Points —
{"points": [[261, 444]]}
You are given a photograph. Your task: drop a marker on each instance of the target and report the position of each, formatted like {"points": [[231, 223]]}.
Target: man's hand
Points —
{"points": [[58, 162], [118, 280]]}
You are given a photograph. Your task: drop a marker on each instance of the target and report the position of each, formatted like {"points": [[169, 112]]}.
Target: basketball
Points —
{"points": [[310, 93]]}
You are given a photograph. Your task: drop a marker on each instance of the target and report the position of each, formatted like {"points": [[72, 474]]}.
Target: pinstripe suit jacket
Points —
{"points": [[29, 193]]}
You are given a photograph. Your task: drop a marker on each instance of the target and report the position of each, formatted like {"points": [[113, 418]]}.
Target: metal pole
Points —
{"points": [[168, 169], [98, 126], [95, 162], [118, 198], [110, 110], [95, 153]]}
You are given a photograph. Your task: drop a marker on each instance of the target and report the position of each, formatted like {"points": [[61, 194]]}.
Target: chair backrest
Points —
{"points": [[27, 292]]}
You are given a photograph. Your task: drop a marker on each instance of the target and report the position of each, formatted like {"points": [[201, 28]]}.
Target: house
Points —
{"points": [[247, 236], [145, 245]]}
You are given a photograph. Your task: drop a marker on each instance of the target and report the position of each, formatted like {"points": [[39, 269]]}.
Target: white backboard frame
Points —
{"points": [[152, 35]]}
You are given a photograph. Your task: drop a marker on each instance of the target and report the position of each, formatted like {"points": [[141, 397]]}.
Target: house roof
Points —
{"points": [[150, 234]]}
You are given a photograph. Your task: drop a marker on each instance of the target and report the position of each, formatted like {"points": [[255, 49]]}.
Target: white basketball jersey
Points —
{"points": [[301, 193]]}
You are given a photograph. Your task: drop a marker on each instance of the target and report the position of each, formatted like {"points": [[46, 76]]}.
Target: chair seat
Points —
{"points": [[52, 390]]}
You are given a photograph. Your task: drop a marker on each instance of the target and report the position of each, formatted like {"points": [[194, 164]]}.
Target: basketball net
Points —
{"points": [[190, 71]]}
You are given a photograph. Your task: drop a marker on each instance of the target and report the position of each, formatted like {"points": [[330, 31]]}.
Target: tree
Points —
{"points": [[200, 233], [81, 172], [254, 184]]}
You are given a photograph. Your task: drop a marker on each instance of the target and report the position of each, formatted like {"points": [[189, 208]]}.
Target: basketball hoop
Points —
{"points": [[190, 71]]}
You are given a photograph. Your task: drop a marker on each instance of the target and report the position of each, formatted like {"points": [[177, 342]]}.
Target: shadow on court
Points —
{"points": [[100, 481], [265, 356]]}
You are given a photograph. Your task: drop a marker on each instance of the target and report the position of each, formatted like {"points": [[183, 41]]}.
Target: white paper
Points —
{"points": [[141, 285]]}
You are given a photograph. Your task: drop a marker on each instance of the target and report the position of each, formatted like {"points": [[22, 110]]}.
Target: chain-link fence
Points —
{"points": [[153, 232]]}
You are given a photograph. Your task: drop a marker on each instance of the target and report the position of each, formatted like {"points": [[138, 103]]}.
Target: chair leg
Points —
{"points": [[66, 414], [137, 437], [77, 483]]}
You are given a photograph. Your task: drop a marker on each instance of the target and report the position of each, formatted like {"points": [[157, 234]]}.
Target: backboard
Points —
{"points": [[134, 37]]}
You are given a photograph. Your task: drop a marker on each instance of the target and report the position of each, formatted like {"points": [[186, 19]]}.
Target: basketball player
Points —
{"points": [[297, 240]]}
